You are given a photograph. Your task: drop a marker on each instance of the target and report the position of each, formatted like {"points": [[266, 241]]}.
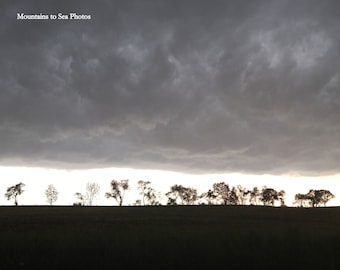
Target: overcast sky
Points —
{"points": [[189, 86]]}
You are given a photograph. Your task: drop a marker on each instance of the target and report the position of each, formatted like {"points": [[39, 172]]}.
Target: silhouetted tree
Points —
{"points": [[254, 196], [233, 198], [118, 190], [14, 191], [281, 197], [51, 194], [148, 193], [224, 194], [301, 200], [269, 196], [173, 194], [92, 191], [319, 197], [186, 195], [143, 186], [313, 198], [325, 196], [221, 191], [242, 194], [189, 195]]}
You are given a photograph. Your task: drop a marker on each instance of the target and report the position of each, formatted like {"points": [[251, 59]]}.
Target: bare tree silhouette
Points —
{"points": [[92, 191]]}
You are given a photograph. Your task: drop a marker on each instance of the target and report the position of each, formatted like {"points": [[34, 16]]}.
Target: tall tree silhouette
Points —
{"points": [[51, 194], [222, 192], [14, 191], [118, 189], [92, 191], [254, 196], [242, 194], [233, 198], [281, 197], [149, 195]]}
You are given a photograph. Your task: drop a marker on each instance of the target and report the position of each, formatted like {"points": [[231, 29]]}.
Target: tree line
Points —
{"points": [[220, 194]]}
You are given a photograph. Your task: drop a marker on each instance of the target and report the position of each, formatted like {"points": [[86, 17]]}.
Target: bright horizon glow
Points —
{"points": [[68, 182]]}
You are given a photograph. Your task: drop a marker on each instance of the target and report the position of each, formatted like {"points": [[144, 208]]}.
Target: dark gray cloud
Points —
{"points": [[196, 86]]}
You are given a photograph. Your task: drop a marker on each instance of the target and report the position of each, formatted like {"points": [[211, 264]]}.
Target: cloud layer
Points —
{"points": [[194, 86]]}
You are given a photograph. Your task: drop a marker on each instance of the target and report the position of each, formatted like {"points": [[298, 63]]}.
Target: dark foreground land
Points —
{"points": [[183, 237]]}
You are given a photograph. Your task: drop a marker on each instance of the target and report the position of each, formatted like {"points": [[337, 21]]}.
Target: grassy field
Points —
{"points": [[238, 237]]}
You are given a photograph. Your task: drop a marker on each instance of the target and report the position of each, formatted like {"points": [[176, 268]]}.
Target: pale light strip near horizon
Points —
{"points": [[68, 182]]}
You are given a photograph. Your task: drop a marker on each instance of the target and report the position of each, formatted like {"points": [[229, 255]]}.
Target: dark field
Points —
{"points": [[191, 237]]}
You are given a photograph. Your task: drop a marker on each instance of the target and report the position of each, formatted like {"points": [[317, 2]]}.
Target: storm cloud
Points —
{"points": [[193, 86]]}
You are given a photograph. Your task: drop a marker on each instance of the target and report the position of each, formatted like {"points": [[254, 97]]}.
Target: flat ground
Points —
{"points": [[166, 237]]}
